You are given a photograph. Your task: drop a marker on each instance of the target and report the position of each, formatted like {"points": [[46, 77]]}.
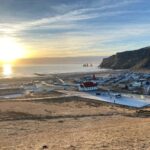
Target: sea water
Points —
{"points": [[10, 70]]}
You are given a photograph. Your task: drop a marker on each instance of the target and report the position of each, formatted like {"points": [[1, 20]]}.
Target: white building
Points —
{"points": [[147, 89]]}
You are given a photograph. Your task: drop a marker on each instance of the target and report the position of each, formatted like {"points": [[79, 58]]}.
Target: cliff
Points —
{"points": [[137, 59]]}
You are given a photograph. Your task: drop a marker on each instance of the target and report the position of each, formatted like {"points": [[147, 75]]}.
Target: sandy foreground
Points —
{"points": [[72, 123]]}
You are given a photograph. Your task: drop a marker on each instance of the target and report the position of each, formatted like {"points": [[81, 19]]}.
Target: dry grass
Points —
{"points": [[71, 124]]}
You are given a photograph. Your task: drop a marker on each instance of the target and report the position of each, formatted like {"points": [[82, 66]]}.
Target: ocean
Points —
{"points": [[68, 65]]}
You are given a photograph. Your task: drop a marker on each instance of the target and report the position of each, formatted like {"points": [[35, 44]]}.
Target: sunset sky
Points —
{"points": [[60, 28]]}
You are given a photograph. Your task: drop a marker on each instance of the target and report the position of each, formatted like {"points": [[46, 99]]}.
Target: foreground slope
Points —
{"points": [[72, 124]]}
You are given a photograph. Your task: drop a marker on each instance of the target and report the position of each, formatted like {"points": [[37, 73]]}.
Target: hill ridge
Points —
{"points": [[136, 59]]}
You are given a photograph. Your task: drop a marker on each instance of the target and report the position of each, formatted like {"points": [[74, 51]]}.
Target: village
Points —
{"points": [[124, 88]]}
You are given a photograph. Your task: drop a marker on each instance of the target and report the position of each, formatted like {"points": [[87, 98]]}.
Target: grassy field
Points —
{"points": [[72, 123]]}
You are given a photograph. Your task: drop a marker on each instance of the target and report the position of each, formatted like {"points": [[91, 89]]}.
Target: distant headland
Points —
{"points": [[136, 59]]}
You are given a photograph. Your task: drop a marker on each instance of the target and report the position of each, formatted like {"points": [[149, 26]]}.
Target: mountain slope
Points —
{"points": [[137, 59]]}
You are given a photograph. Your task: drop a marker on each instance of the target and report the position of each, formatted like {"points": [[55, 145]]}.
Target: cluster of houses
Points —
{"points": [[129, 81], [124, 82], [132, 82]]}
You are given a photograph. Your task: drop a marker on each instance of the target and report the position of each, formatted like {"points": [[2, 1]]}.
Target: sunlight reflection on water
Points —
{"points": [[7, 70]]}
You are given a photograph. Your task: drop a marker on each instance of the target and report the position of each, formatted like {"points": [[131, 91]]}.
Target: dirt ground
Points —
{"points": [[72, 124]]}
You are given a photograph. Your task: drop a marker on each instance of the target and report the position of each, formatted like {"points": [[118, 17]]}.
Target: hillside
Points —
{"points": [[137, 59]]}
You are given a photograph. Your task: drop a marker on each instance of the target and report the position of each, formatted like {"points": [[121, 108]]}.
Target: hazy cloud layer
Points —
{"points": [[81, 27]]}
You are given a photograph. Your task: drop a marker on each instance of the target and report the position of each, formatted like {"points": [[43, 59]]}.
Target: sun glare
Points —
{"points": [[10, 49]]}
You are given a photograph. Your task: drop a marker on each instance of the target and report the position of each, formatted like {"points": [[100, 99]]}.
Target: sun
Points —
{"points": [[10, 49]]}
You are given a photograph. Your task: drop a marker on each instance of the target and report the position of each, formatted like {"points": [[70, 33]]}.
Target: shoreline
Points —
{"points": [[42, 76], [62, 74]]}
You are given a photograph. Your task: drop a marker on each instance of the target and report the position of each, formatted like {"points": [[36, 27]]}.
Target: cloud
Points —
{"points": [[80, 31], [79, 14]]}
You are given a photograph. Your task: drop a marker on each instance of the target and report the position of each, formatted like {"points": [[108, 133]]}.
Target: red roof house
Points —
{"points": [[88, 86]]}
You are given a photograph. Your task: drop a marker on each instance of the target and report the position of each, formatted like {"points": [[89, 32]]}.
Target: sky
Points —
{"points": [[62, 28]]}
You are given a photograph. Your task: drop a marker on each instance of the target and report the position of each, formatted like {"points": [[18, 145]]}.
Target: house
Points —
{"points": [[136, 84], [29, 88], [88, 86], [122, 85], [146, 89]]}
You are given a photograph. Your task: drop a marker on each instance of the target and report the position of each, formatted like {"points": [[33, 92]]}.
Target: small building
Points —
{"points": [[136, 84], [122, 85], [88, 86], [146, 89]]}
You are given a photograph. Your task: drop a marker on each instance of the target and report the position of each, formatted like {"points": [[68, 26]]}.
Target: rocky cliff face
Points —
{"points": [[137, 59]]}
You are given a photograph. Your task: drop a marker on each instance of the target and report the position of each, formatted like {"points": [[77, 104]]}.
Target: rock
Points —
{"points": [[44, 147]]}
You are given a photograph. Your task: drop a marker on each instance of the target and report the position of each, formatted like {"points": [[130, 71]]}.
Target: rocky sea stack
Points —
{"points": [[137, 59]]}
